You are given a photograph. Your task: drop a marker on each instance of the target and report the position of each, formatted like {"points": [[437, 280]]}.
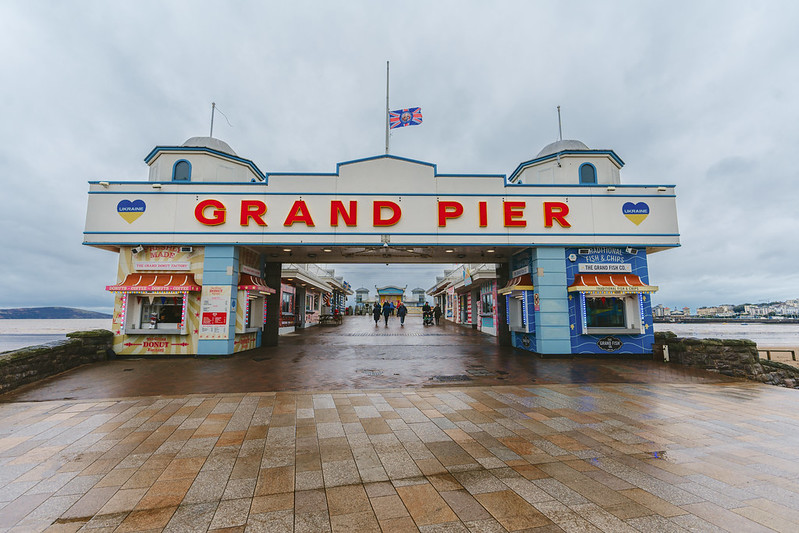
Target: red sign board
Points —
{"points": [[214, 319]]}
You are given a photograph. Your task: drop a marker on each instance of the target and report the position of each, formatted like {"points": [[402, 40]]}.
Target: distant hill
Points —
{"points": [[47, 313]]}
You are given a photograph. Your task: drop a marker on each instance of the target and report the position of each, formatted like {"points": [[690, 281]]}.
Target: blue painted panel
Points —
{"points": [[553, 333], [549, 253], [214, 347], [554, 319], [554, 305], [554, 346], [553, 292], [222, 251], [551, 278], [218, 264], [523, 341], [213, 277], [630, 344]]}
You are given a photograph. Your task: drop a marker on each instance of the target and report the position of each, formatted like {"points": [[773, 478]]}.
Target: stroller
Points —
{"points": [[427, 318]]}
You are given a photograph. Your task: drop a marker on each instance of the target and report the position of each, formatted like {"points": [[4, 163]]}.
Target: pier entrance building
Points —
{"points": [[202, 243]]}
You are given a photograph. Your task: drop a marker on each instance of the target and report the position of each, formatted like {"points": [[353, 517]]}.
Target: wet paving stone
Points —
{"points": [[563, 445]]}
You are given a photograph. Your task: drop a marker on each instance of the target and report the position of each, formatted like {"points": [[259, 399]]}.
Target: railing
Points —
{"points": [[788, 350]]}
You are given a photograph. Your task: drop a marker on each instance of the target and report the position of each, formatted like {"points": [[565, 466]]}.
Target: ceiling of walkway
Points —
{"points": [[387, 253]]}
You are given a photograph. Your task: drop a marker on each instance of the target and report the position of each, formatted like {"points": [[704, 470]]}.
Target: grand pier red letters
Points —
{"points": [[252, 209], [556, 211], [218, 212], [212, 212]]}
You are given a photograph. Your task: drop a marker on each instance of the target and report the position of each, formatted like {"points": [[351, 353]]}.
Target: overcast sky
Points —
{"points": [[698, 94]]}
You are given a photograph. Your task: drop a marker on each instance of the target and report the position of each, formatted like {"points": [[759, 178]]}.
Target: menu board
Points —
{"points": [[214, 312]]}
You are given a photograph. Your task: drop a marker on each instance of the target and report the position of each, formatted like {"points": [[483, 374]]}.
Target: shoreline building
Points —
{"points": [[203, 242]]}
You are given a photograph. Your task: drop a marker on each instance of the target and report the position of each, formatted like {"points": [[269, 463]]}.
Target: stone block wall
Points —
{"points": [[731, 357], [30, 364]]}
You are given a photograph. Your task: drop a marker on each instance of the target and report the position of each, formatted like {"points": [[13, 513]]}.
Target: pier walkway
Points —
{"points": [[364, 428]]}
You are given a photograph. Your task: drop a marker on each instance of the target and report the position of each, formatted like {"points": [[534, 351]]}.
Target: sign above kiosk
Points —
{"points": [[368, 200]]}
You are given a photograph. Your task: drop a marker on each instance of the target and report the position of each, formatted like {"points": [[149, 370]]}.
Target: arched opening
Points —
{"points": [[181, 171], [587, 174]]}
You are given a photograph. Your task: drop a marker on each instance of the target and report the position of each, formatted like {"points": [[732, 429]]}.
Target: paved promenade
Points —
{"points": [[582, 446]]}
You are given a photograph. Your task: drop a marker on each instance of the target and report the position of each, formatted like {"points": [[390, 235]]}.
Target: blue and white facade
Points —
{"points": [[576, 242]]}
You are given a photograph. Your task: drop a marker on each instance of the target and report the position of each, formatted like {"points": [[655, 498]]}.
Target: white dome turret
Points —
{"points": [[210, 142], [560, 146]]}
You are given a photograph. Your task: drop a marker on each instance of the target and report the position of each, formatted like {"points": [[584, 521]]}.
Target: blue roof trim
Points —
{"points": [[391, 195], [524, 165], [361, 160], [406, 244], [384, 156], [430, 234], [387, 156], [155, 151]]}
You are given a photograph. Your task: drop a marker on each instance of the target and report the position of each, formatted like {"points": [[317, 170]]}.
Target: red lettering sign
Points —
{"points": [[378, 207], [252, 209], [299, 213], [337, 209], [447, 209], [483, 209], [514, 211], [556, 211], [214, 319], [218, 212]]}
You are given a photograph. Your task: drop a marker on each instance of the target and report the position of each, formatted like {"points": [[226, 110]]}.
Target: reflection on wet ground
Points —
{"points": [[356, 355], [471, 437]]}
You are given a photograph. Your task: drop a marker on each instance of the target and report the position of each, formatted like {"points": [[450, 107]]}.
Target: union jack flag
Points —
{"points": [[405, 117]]}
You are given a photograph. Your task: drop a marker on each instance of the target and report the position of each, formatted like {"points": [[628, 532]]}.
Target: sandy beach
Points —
{"points": [[781, 354]]}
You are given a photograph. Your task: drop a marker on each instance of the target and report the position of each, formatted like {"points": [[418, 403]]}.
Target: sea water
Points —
{"points": [[764, 334], [19, 333], [15, 334]]}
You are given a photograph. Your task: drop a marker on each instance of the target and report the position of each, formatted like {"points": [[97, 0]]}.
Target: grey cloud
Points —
{"points": [[692, 94]]}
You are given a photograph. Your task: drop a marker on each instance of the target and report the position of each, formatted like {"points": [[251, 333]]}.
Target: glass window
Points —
{"points": [[605, 312], [162, 313], [182, 171], [487, 303], [587, 173], [287, 305]]}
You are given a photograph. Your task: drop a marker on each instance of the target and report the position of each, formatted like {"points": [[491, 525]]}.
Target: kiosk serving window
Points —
{"points": [[164, 311], [605, 312], [611, 303], [252, 297], [155, 301], [519, 293]]}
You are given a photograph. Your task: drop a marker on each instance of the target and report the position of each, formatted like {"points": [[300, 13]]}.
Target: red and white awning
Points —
{"points": [[519, 283], [248, 282], [610, 284], [160, 283]]}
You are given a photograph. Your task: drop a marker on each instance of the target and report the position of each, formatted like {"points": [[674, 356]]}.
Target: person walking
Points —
{"points": [[386, 311], [401, 312], [376, 311], [437, 314]]}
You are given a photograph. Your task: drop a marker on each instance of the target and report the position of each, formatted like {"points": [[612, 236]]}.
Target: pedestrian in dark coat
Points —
{"points": [[401, 312], [386, 311], [437, 313], [376, 312]]}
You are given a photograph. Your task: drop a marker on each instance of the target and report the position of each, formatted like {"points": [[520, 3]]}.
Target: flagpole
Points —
{"points": [[560, 128], [213, 108], [386, 107]]}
